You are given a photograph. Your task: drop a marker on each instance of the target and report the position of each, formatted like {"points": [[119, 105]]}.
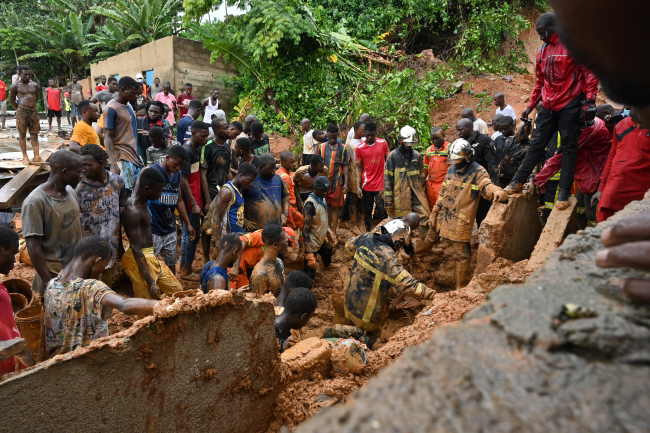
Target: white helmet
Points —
{"points": [[138, 76], [399, 232], [408, 135], [459, 150]]}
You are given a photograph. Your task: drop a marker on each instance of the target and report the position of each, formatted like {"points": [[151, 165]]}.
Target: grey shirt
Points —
{"points": [[154, 91], [58, 224], [104, 96], [76, 92]]}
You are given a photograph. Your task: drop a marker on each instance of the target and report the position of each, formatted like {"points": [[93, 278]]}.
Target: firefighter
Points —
{"points": [[375, 270], [403, 180], [452, 217]]}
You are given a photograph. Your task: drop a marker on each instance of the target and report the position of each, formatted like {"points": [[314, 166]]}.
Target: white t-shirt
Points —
{"points": [[350, 135], [352, 144], [480, 126], [496, 134], [508, 111], [309, 143]]}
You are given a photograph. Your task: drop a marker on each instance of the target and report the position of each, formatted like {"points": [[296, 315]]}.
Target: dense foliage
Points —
{"points": [[330, 60], [62, 37]]}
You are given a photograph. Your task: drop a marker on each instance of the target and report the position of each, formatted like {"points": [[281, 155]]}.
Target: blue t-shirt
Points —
{"points": [[184, 129], [208, 272], [163, 220], [263, 202], [235, 214]]}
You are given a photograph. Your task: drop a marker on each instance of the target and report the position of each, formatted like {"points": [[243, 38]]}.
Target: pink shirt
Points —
{"points": [[169, 100], [8, 328]]}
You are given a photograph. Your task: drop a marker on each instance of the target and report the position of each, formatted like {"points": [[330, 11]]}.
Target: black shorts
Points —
{"points": [[52, 113]]}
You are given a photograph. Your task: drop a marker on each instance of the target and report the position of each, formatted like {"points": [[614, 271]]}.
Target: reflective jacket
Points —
{"points": [[625, 177], [374, 271], [559, 78], [403, 176], [435, 164], [458, 200], [594, 145]]}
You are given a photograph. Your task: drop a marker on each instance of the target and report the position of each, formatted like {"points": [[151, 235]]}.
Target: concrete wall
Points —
{"points": [[192, 64], [172, 59], [203, 363]]}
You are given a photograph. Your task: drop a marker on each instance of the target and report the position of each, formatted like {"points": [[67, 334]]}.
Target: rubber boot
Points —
{"points": [[461, 273], [563, 195]]}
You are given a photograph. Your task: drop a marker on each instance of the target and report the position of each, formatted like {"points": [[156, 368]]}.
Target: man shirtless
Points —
{"points": [[141, 265], [268, 274], [26, 113]]}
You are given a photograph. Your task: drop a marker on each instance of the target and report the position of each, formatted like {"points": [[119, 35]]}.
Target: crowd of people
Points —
{"points": [[250, 211]]}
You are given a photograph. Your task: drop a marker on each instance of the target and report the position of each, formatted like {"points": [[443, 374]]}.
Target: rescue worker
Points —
{"points": [[403, 176], [565, 89], [484, 154], [452, 217], [435, 163], [594, 144], [375, 270]]}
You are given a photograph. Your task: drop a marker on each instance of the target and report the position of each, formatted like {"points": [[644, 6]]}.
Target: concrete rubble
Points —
{"points": [[513, 364], [200, 363], [560, 223]]}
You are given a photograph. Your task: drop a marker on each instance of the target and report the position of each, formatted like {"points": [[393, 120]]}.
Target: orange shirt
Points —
{"points": [[286, 177], [435, 163]]}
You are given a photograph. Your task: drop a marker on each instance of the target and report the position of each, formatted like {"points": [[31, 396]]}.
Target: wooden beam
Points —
{"points": [[22, 180]]}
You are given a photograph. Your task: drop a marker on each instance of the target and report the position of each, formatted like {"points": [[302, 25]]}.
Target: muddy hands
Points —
{"points": [[628, 246]]}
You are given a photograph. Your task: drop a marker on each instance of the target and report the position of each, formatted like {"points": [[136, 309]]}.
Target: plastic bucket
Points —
{"points": [[30, 324], [18, 285], [18, 302]]}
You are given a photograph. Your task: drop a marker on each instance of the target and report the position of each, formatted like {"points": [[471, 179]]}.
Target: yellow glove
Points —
{"points": [[500, 196], [311, 260]]}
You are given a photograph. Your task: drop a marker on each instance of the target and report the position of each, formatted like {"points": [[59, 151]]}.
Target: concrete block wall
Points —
{"points": [[201, 363], [192, 64]]}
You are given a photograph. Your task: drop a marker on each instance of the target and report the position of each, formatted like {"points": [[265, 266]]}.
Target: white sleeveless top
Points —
{"points": [[210, 110]]}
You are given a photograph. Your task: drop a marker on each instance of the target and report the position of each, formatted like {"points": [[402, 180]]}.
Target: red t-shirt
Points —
{"points": [[183, 102], [53, 99], [373, 159], [8, 328], [3, 90], [101, 87]]}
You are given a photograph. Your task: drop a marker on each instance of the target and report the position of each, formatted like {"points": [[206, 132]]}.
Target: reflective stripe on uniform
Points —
{"points": [[379, 276]]}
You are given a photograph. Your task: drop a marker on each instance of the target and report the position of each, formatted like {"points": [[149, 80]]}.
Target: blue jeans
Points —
{"points": [[188, 247]]}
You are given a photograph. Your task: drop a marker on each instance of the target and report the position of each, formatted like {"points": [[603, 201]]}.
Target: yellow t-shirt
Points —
{"points": [[84, 134]]}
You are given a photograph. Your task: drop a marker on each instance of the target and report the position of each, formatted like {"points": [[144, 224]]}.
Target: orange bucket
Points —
{"points": [[30, 324]]}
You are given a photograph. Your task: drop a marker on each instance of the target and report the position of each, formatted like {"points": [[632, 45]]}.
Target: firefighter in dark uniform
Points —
{"points": [[375, 270]]}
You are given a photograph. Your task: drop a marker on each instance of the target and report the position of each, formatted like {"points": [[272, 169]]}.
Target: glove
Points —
{"points": [[311, 260], [500, 196], [428, 294], [529, 190]]}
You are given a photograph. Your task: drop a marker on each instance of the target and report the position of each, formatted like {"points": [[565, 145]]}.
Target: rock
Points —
{"points": [[559, 224], [509, 365], [429, 60], [524, 98], [307, 357], [348, 356]]}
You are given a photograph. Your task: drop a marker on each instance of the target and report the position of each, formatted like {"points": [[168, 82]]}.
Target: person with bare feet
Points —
{"points": [[149, 275], [214, 275], [52, 99], [26, 112], [268, 274], [77, 306]]}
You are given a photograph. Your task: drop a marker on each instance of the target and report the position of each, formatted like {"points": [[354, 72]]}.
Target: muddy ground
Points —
{"points": [[410, 321]]}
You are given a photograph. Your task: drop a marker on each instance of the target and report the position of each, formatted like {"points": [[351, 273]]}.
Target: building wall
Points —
{"points": [[192, 64], [173, 59]]}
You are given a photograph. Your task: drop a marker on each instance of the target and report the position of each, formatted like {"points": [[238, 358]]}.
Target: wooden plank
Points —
{"points": [[15, 186]]}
